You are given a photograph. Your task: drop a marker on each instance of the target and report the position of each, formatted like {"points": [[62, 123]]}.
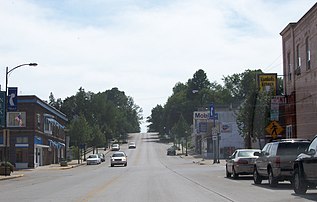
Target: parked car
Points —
{"points": [[93, 159], [241, 162], [276, 159], [115, 147], [132, 145], [171, 151], [305, 167], [119, 158], [102, 157]]}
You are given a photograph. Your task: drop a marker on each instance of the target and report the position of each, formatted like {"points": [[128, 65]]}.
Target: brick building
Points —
{"points": [[36, 134], [300, 75]]}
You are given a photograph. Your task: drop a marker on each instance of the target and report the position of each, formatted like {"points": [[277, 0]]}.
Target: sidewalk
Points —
{"points": [[198, 159], [17, 174], [70, 165]]}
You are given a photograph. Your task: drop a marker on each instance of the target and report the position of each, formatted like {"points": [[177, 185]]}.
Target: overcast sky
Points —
{"points": [[143, 47]]}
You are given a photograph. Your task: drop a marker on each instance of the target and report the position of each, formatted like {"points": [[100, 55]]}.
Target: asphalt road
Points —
{"points": [[149, 176]]}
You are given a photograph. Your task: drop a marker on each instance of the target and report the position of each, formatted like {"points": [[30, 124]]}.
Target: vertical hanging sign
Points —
{"points": [[2, 108], [12, 98]]}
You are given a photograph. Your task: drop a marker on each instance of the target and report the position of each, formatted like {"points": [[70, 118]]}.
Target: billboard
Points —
{"points": [[267, 83]]}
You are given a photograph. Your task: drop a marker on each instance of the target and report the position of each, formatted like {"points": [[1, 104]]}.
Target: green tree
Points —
{"points": [[79, 130]]}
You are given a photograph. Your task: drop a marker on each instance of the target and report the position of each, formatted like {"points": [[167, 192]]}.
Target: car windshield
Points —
{"points": [[246, 154], [118, 155], [92, 156], [292, 148]]}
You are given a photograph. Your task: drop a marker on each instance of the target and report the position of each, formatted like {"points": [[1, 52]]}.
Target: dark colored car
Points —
{"points": [[305, 169], [241, 162], [276, 160], [171, 151]]}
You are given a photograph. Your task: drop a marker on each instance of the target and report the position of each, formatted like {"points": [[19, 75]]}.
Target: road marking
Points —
{"points": [[99, 189]]}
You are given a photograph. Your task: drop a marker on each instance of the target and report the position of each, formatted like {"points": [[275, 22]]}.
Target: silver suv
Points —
{"points": [[276, 160]]}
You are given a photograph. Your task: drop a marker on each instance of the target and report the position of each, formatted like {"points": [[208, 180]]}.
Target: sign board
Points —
{"points": [[201, 115], [267, 83], [212, 110], [2, 108], [274, 129], [12, 98]]}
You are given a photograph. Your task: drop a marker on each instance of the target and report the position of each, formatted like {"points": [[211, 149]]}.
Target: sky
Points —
{"points": [[142, 47]]}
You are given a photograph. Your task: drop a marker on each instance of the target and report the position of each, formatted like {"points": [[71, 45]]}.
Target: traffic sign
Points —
{"points": [[274, 129]]}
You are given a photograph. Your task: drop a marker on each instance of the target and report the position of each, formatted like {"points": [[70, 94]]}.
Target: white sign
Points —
{"points": [[202, 115]]}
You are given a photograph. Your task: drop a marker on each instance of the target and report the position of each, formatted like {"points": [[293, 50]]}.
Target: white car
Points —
{"points": [[132, 145], [115, 147], [119, 158], [93, 159]]}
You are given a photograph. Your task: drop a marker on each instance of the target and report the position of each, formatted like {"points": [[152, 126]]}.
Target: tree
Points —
{"points": [[79, 130], [57, 104], [245, 118]]}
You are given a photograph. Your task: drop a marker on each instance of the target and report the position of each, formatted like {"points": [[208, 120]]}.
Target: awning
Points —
{"points": [[57, 145], [42, 146], [55, 123]]}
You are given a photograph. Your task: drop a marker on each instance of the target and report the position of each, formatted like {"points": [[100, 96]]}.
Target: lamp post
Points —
{"points": [[5, 131]]}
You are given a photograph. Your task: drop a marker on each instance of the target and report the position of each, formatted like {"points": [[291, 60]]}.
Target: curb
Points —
{"points": [[10, 177]]}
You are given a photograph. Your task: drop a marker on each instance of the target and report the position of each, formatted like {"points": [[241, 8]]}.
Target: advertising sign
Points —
{"points": [[267, 83], [12, 98], [201, 115], [2, 108]]}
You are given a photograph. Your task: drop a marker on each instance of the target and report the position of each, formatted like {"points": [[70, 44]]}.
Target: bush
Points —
{"points": [[7, 164]]}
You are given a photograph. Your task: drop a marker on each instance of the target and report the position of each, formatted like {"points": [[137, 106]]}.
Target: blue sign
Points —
{"points": [[12, 98], [212, 111], [2, 108]]}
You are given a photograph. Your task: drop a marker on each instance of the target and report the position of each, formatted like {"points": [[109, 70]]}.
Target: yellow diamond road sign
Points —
{"points": [[274, 129]]}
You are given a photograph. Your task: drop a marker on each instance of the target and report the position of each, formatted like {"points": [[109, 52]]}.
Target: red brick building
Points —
{"points": [[36, 134], [300, 75]]}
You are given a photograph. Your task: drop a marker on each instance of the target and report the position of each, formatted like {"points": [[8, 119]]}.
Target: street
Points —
{"points": [[151, 175]]}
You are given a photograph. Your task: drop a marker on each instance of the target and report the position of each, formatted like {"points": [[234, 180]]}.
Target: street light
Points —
{"points": [[5, 131]]}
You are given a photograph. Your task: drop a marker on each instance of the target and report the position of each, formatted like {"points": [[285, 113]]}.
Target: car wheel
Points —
{"points": [[234, 173], [125, 164], [111, 165], [256, 177], [228, 175], [272, 180], [300, 187]]}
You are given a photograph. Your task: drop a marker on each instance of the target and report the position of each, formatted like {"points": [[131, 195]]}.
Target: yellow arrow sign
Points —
{"points": [[274, 129]]}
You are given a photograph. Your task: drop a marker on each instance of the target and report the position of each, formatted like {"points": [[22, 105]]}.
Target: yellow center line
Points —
{"points": [[98, 190]]}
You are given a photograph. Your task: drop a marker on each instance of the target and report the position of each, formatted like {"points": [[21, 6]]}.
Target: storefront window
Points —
{"points": [[21, 155]]}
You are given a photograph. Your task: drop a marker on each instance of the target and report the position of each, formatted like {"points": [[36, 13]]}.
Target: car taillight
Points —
{"points": [[242, 161], [278, 160]]}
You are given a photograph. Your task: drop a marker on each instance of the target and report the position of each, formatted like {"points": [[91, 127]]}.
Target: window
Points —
{"points": [[21, 155], [38, 121], [307, 54], [22, 140], [289, 66], [16, 119], [289, 131], [48, 126], [299, 62], [313, 145]]}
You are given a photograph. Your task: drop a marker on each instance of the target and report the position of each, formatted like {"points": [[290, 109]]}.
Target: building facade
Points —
{"points": [[36, 134], [299, 42], [216, 136]]}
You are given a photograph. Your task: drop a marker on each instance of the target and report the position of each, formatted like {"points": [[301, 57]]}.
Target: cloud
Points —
{"points": [[142, 47]]}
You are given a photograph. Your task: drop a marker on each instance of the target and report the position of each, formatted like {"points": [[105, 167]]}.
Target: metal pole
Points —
{"points": [[5, 123], [6, 131]]}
